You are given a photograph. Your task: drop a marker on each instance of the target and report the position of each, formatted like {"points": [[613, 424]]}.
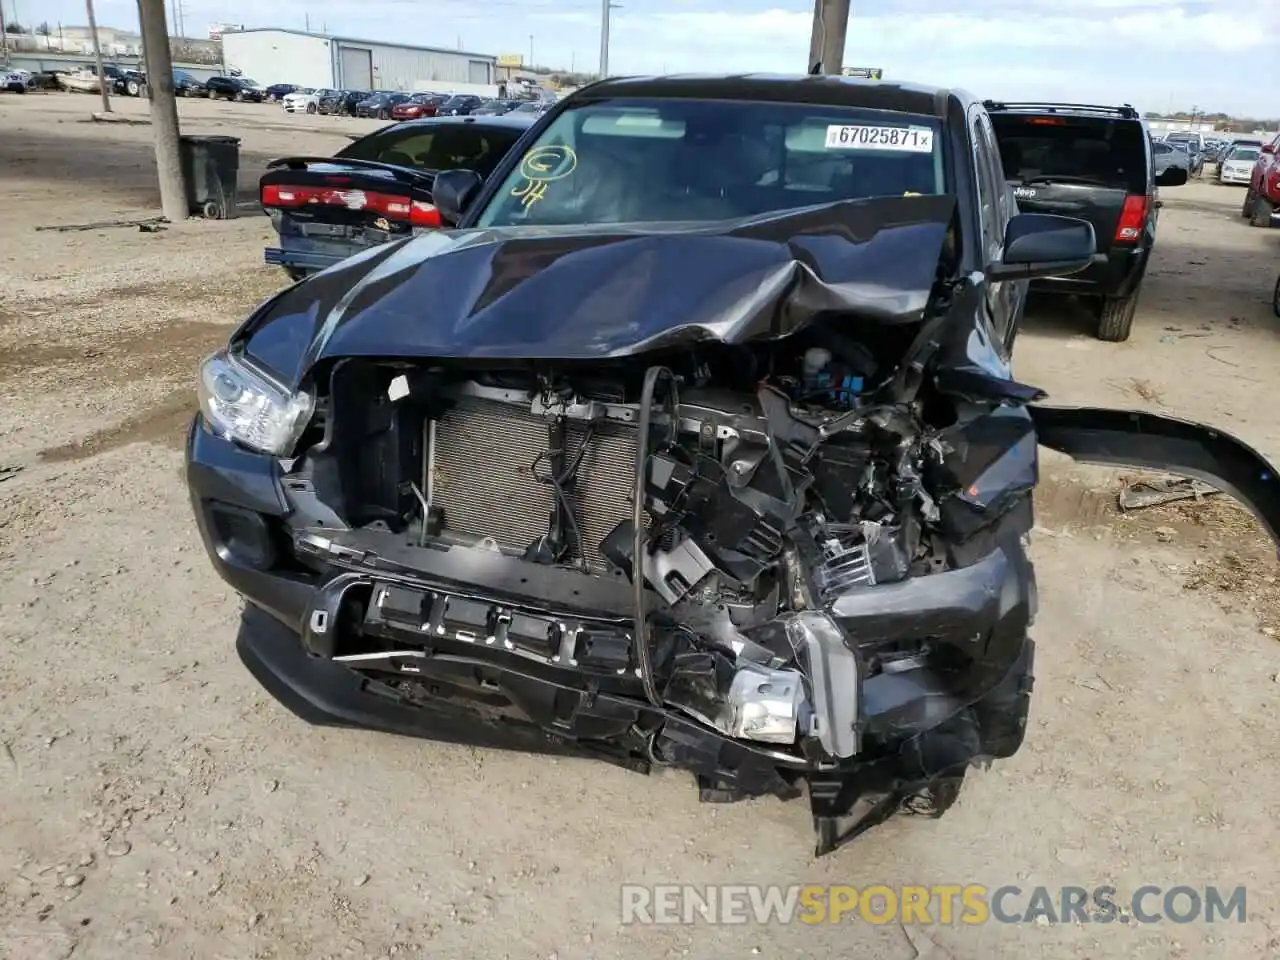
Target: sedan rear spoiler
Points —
{"points": [[407, 174]]}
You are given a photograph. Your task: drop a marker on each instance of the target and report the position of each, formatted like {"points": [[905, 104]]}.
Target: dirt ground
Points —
{"points": [[156, 803]]}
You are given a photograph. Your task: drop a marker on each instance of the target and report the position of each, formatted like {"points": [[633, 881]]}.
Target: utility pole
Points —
{"points": [[97, 56], [830, 28], [604, 38], [606, 12], [4, 38], [164, 109], [815, 38]]}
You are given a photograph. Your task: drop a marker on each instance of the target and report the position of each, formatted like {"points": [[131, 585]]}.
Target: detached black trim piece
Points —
{"points": [[1147, 440]]}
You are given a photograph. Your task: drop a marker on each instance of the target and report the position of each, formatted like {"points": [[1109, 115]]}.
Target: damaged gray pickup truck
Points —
{"points": [[695, 445]]}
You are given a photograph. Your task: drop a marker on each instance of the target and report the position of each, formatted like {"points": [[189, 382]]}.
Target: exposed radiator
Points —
{"points": [[483, 481]]}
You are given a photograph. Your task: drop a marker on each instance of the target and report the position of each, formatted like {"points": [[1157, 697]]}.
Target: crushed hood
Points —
{"points": [[589, 292]]}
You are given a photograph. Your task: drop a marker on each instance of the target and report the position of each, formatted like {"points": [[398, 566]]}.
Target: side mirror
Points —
{"points": [[452, 191], [1269, 148], [1172, 177], [1044, 245]]}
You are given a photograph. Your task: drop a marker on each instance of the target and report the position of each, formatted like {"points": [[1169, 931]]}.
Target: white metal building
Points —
{"points": [[270, 56]]}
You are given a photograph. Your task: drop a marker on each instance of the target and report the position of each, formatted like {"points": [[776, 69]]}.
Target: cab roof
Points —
{"points": [[784, 88]]}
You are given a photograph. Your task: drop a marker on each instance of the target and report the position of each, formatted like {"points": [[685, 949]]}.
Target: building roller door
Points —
{"points": [[356, 68]]}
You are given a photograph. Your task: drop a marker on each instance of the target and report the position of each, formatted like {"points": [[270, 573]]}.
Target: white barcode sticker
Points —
{"points": [[902, 139]]}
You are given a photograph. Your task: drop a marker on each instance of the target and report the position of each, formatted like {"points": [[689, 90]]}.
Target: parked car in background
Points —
{"points": [[1165, 156], [1194, 137], [532, 108], [343, 102], [1263, 198], [375, 189], [418, 106], [17, 81], [459, 105], [1195, 159], [1095, 163], [495, 108], [185, 85], [305, 101], [380, 105], [124, 81], [1237, 163], [235, 88], [1253, 142], [278, 91]]}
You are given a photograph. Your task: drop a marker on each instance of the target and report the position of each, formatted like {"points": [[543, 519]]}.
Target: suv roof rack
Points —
{"points": [[1124, 110]]}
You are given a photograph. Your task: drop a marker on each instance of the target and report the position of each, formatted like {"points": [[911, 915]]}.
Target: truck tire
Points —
{"points": [[1246, 209], [131, 88], [1115, 318], [312, 108], [1260, 214], [1275, 298]]}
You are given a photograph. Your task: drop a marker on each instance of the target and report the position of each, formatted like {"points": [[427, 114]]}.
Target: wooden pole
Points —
{"points": [[164, 109], [97, 56]]}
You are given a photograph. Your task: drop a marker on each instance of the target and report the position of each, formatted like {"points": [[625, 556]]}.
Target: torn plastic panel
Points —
{"points": [[1150, 441]]}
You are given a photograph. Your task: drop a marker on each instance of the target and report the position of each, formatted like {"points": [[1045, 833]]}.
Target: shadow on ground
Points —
{"points": [[124, 169]]}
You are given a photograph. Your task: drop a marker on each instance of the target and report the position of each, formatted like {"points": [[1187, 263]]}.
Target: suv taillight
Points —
{"points": [[1132, 219]]}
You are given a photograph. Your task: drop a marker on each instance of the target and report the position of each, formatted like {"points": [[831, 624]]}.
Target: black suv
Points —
{"points": [[1093, 162], [234, 88], [697, 447]]}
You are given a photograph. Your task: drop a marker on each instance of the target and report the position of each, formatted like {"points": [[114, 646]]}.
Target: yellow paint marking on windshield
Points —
{"points": [[540, 166], [530, 192]]}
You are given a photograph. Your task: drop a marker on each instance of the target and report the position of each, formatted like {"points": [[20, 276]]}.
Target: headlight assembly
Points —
{"points": [[245, 405]]}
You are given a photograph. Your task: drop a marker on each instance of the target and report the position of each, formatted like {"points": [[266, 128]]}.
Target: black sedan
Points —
{"points": [[380, 104], [185, 85], [495, 108], [374, 190], [234, 88], [278, 91], [460, 105]]}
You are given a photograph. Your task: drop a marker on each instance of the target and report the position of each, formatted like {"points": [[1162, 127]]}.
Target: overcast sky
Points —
{"points": [[1155, 54]]}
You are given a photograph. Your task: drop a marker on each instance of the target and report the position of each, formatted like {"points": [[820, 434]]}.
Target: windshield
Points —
{"points": [[527, 108], [435, 147], [1107, 152], [1247, 154], [248, 83], [619, 161], [459, 101]]}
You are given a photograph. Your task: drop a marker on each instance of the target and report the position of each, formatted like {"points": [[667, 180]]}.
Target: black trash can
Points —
{"points": [[210, 168]]}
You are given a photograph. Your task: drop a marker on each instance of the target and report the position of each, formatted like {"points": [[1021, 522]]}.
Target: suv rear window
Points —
{"points": [[436, 147], [1090, 150]]}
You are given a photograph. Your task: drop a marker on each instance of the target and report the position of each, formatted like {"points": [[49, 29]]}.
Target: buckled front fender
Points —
{"points": [[1138, 439]]}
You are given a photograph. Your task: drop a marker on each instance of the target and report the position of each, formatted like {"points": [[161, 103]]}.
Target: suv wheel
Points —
{"points": [[1115, 318], [1246, 210], [1260, 214]]}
